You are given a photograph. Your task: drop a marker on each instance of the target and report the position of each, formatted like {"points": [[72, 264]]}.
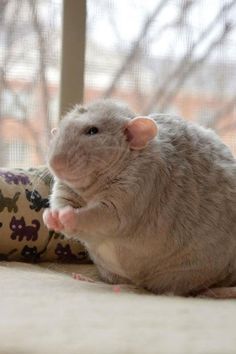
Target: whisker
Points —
{"points": [[39, 177]]}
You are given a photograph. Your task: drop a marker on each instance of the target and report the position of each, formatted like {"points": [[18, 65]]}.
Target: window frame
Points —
{"points": [[72, 54]]}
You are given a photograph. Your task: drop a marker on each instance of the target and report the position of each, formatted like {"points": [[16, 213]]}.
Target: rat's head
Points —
{"points": [[93, 141]]}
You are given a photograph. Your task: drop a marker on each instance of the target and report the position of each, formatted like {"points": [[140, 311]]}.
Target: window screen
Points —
{"points": [[30, 33], [169, 56], [166, 56]]}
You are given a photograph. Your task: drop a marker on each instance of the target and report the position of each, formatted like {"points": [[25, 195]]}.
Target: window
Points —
{"points": [[166, 56], [172, 56], [16, 151], [30, 37]]}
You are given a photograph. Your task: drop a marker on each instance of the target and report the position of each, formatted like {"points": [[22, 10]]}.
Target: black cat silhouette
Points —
{"points": [[65, 254], [21, 230], [9, 203], [37, 202], [30, 253], [55, 235], [84, 256]]}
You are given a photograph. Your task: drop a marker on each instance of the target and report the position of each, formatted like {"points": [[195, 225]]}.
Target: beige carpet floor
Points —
{"points": [[44, 310]]}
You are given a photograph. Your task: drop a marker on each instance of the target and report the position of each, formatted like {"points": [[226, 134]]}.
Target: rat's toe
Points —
{"points": [[67, 218]]}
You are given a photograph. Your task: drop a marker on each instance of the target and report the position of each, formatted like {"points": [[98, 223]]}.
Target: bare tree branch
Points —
{"points": [[25, 122], [3, 6], [42, 50], [222, 113], [192, 67], [161, 91], [10, 57], [9, 38], [143, 33]]}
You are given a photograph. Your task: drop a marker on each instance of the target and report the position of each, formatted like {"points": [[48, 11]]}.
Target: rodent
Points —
{"points": [[153, 198]]}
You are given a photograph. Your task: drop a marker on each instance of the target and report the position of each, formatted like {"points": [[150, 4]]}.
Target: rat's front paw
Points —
{"points": [[51, 220], [69, 219]]}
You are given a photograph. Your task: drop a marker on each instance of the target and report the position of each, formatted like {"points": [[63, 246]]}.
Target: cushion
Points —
{"points": [[23, 235]]}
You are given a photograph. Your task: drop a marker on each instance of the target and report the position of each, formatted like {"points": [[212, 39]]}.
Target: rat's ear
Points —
{"points": [[53, 131], [139, 131], [80, 109]]}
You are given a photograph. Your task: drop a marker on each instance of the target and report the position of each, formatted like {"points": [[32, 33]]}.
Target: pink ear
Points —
{"points": [[53, 131], [139, 131]]}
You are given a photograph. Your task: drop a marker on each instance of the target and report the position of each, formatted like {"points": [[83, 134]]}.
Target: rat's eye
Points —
{"points": [[91, 131]]}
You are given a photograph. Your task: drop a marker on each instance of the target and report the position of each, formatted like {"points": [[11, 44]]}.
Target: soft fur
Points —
{"points": [[163, 217]]}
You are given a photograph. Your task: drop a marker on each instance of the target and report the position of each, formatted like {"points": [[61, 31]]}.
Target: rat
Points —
{"points": [[152, 198]]}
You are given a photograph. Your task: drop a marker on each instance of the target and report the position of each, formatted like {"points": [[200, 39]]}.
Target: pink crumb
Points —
{"points": [[116, 289]]}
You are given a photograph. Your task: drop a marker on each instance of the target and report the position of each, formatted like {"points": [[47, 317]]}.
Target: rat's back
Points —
{"points": [[196, 207]]}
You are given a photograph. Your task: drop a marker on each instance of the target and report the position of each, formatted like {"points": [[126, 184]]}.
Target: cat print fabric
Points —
{"points": [[23, 236], [37, 202], [65, 254], [21, 230], [30, 254], [15, 178], [9, 203]]}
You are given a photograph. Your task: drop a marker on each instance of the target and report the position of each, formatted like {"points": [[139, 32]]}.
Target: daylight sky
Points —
{"points": [[118, 23]]}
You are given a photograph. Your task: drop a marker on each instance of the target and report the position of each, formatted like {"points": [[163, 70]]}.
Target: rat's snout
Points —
{"points": [[58, 163]]}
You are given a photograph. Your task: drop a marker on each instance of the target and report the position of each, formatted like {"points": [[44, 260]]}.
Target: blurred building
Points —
{"points": [[29, 84]]}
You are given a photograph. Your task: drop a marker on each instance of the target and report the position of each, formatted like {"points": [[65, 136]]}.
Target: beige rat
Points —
{"points": [[153, 199]]}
